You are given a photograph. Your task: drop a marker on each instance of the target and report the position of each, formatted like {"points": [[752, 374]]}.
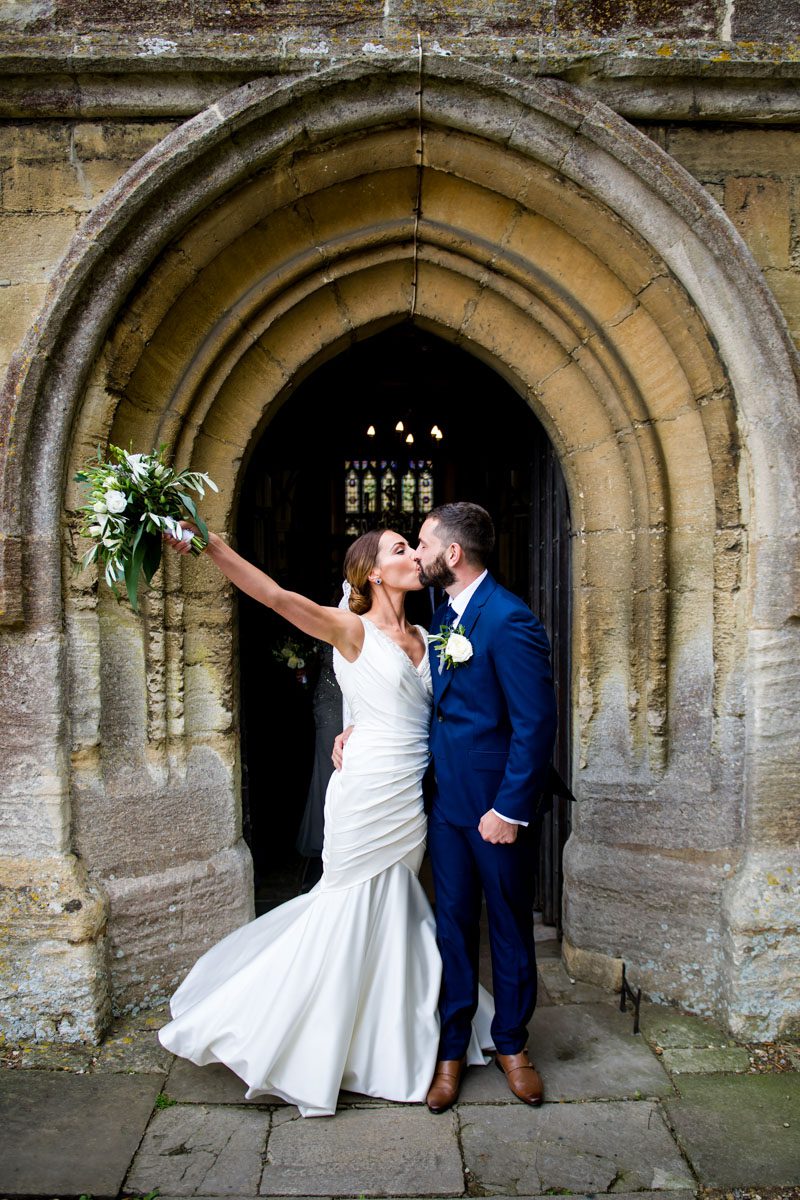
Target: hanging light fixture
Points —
{"points": [[371, 431], [410, 439], [399, 427]]}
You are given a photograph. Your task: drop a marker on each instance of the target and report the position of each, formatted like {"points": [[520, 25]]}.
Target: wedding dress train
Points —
{"points": [[338, 988]]}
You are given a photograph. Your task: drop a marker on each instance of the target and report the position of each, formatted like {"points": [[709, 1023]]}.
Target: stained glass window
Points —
{"points": [[386, 492]]}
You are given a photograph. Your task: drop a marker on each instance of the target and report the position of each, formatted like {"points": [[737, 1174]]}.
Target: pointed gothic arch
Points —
{"points": [[560, 246]]}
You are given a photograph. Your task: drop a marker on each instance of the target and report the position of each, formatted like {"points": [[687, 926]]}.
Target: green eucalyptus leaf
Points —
{"points": [[192, 510]]}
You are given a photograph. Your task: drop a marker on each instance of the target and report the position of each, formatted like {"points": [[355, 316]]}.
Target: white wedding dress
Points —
{"points": [[339, 988]]}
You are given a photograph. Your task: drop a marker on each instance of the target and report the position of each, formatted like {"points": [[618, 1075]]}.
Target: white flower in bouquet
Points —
{"points": [[133, 499], [116, 502]]}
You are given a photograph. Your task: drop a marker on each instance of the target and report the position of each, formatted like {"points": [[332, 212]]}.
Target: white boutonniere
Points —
{"points": [[451, 645]]}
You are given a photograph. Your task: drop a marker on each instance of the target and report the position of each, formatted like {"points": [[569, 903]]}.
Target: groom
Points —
{"points": [[492, 732]]}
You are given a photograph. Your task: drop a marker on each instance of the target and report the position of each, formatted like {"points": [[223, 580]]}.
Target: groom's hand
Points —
{"points": [[494, 829], [339, 743]]}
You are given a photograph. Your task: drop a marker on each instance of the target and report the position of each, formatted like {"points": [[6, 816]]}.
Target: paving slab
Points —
{"points": [[595, 1147], [583, 1052], [739, 1130], [132, 1050], [666, 1027], [678, 1194], [68, 1135], [214, 1084], [192, 1149], [703, 1061], [364, 1152]]}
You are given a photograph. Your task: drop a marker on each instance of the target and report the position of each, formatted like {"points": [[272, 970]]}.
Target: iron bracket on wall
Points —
{"points": [[627, 993]]}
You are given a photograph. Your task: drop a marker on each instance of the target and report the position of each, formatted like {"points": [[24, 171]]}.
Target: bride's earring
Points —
{"points": [[378, 581]]}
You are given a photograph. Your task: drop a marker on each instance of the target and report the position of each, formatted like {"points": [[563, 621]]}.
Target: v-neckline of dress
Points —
{"points": [[417, 669]]}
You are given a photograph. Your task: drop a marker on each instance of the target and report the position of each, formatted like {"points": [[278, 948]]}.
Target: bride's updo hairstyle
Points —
{"points": [[359, 560]]}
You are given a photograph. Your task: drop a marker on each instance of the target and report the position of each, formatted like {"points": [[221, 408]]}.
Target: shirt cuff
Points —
{"points": [[511, 820]]}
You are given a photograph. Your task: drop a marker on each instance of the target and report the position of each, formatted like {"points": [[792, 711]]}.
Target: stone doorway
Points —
{"points": [[578, 261], [293, 521]]}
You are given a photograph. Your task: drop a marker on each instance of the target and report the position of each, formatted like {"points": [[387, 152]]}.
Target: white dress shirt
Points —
{"points": [[459, 604]]}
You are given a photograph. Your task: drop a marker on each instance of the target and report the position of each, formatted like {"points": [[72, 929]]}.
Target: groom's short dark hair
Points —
{"points": [[469, 525]]}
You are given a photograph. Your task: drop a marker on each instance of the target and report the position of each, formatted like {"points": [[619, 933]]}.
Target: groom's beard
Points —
{"points": [[438, 574]]}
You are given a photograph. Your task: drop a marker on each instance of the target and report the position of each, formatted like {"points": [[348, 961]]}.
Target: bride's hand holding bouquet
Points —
{"points": [[134, 499]]}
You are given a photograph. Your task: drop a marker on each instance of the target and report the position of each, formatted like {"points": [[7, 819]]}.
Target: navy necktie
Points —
{"points": [[449, 615]]}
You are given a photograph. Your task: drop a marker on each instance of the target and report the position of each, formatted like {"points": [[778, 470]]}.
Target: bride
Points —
{"points": [[339, 988]]}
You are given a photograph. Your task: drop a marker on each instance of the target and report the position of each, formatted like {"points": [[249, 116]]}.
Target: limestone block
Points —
{"points": [[469, 211], [243, 398], [387, 150], [760, 210], [310, 327], [658, 909], [601, 474], [785, 287], [610, 181], [52, 951], [776, 566], [696, 822], [117, 141], [691, 569], [349, 211], [762, 907], [678, 321], [161, 923], [34, 817], [34, 141], [652, 363], [571, 393], [600, 969], [609, 560], [32, 246], [443, 299], [127, 810], [744, 152], [570, 268], [377, 292], [19, 304], [774, 737], [56, 187], [516, 338]]}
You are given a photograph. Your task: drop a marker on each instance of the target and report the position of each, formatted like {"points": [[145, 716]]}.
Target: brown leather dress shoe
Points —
{"points": [[523, 1078], [446, 1084]]}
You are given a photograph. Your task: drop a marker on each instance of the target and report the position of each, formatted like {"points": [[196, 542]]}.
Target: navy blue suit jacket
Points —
{"points": [[493, 722]]}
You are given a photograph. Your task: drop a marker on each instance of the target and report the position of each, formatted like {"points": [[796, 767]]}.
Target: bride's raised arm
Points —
{"points": [[340, 627]]}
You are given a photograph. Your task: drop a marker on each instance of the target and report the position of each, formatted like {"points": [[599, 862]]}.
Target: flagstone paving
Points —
{"points": [[652, 1116], [593, 1147], [739, 1130]]}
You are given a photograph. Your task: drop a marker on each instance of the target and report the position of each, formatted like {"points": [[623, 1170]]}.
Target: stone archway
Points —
{"points": [[549, 238]]}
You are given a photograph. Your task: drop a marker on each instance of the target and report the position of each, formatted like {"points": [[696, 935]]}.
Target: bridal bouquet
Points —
{"points": [[294, 654], [133, 499]]}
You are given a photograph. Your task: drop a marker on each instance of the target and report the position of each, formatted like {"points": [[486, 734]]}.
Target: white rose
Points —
{"points": [[99, 507], [459, 648], [116, 501]]}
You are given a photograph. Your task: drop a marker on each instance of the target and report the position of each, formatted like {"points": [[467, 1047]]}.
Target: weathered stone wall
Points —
{"points": [[211, 274]]}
